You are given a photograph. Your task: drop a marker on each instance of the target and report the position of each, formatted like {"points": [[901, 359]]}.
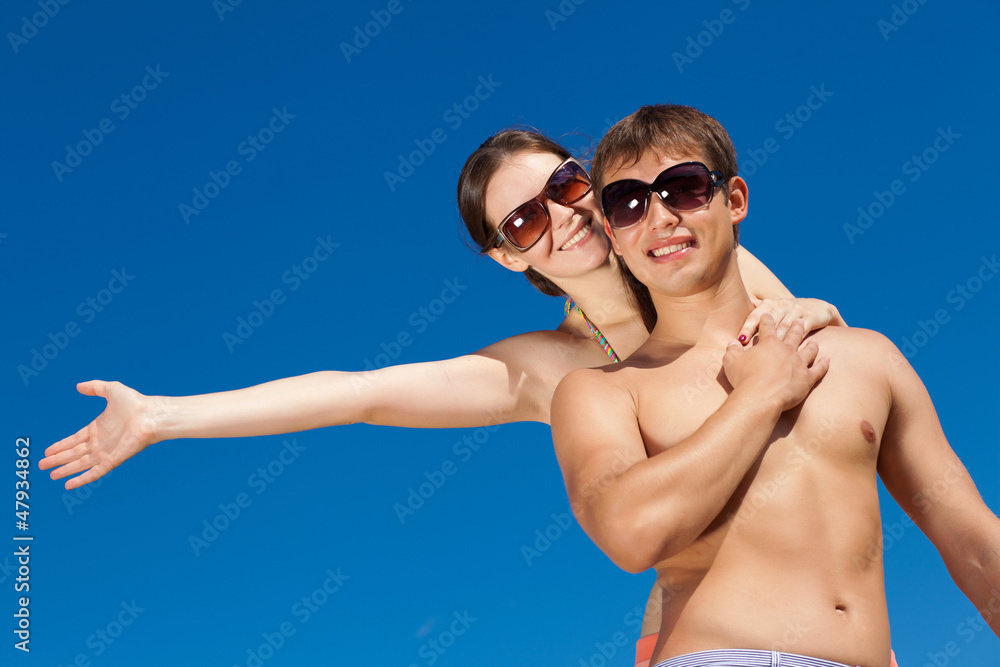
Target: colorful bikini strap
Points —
{"points": [[601, 340]]}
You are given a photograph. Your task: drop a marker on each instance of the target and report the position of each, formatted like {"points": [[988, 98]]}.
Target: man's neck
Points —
{"points": [[712, 317]]}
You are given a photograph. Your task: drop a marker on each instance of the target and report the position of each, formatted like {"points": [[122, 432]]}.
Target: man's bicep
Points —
{"points": [[596, 437], [919, 467]]}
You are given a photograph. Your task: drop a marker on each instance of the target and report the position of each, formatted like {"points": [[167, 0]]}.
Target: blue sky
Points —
{"points": [[293, 143]]}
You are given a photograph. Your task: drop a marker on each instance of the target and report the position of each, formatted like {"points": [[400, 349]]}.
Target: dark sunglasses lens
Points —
{"points": [[688, 188], [525, 225], [625, 203], [569, 185]]}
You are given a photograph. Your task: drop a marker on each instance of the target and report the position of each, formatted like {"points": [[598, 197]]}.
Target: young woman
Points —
{"points": [[530, 207]]}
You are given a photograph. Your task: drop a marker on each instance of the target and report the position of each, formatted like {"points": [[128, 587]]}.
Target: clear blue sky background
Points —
{"points": [[888, 94]]}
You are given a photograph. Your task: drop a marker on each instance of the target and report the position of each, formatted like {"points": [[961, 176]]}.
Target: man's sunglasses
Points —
{"points": [[526, 224], [688, 186]]}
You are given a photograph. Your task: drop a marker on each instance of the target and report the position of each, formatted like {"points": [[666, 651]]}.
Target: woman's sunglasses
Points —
{"points": [[688, 186], [526, 224]]}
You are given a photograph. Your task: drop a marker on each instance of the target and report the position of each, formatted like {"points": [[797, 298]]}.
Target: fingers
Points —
{"points": [[766, 326], [794, 334], [750, 326], [64, 444], [93, 388], [819, 369], [72, 468], [86, 478], [64, 457], [809, 352]]}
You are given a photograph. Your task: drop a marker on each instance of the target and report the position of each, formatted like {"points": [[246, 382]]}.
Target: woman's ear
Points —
{"points": [[508, 261], [611, 235]]}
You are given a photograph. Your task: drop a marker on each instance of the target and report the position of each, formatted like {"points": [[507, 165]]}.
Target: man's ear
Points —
{"points": [[738, 199], [508, 261], [611, 235]]}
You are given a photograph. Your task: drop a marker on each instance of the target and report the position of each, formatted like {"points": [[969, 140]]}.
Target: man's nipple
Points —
{"points": [[868, 431]]}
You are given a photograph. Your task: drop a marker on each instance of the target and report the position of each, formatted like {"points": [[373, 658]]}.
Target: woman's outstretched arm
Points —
{"points": [[512, 380]]}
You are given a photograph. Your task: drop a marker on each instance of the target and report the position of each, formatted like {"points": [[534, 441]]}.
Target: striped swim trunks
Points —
{"points": [[746, 658]]}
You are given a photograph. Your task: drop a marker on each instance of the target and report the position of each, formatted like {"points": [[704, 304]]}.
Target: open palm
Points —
{"points": [[124, 429]]}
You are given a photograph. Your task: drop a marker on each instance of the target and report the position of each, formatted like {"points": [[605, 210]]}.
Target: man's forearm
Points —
{"points": [[660, 506]]}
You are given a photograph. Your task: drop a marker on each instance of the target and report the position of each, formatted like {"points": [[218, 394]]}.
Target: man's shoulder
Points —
{"points": [[853, 338], [865, 347]]}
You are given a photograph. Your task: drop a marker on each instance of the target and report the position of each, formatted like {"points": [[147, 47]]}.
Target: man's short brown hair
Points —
{"points": [[667, 130]]}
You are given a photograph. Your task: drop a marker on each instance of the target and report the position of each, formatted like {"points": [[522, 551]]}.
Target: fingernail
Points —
{"points": [[743, 338]]}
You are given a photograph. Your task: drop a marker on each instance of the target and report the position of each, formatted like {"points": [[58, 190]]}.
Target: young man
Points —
{"points": [[746, 476]]}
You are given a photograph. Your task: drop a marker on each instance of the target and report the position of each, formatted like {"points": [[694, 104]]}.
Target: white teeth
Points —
{"points": [[660, 252], [577, 237]]}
